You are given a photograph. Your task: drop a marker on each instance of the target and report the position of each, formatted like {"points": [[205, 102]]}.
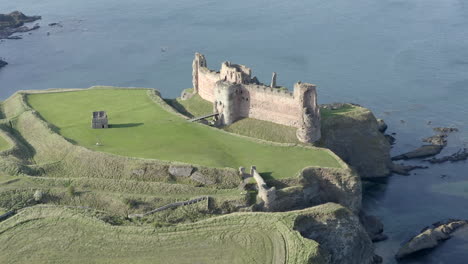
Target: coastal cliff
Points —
{"points": [[352, 132]]}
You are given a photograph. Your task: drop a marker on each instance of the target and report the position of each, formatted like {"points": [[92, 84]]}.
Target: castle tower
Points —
{"points": [[309, 129], [198, 61], [227, 97]]}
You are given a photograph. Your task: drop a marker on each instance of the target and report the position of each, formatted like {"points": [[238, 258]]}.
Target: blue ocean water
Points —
{"points": [[406, 60]]}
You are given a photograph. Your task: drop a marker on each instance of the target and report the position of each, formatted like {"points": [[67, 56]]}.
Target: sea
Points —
{"points": [[406, 60]]}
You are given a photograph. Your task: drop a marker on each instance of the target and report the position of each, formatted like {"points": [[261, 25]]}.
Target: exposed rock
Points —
{"points": [[440, 140], [430, 237], [55, 24], [198, 177], [355, 138], [14, 23], [316, 186], [421, 152], [391, 139], [373, 226], [340, 234], [382, 126], [186, 95], [405, 169], [3, 63], [460, 155], [180, 170], [445, 129]]}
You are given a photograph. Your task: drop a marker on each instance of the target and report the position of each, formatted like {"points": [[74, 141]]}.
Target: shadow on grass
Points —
{"points": [[178, 107], [125, 125]]}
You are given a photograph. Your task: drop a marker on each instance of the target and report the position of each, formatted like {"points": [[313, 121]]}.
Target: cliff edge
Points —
{"points": [[352, 132]]}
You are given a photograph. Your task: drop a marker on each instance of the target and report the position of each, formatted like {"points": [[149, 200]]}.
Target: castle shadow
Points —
{"points": [[125, 125]]}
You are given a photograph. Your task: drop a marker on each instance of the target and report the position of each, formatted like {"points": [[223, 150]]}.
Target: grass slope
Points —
{"points": [[3, 143], [142, 128], [60, 235]]}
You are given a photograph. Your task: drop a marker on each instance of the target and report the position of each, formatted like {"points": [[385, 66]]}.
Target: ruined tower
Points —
{"points": [[309, 126], [198, 62]]}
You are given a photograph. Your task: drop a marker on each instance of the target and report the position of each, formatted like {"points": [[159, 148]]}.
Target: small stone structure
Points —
{"points": [[99, 120], [267, 195], [235, 94]]}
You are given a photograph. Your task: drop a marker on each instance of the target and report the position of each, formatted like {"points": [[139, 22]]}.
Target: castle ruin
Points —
{"points": [[99, 120], [235, 94]]}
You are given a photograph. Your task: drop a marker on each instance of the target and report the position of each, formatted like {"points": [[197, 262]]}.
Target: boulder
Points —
{"points": [[198, 177], [180, 170], [430, 237]]}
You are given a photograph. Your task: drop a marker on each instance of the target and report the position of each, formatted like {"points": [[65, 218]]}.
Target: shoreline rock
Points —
{"points": [[3, 63], [14, 23], [421, 152], [402, 169], [460, 155], [430, 237]]}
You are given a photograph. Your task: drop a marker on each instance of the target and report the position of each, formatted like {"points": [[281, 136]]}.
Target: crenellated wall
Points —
{"points": [[236, 95]]}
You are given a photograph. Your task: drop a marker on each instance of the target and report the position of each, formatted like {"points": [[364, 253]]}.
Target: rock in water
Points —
{"points": [[14, 23], [430, 237], [421, 152], [3, 63]]}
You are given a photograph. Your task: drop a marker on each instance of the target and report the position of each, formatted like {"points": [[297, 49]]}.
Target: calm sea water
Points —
{"points": [[404, 59]]}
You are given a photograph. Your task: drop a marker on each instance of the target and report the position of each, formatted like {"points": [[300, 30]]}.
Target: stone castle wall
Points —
{"points": [[236, 95]]}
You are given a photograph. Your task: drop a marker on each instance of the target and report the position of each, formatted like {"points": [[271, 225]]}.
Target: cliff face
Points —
{"points": [[339, 233], [316, 186], [355, 137]]}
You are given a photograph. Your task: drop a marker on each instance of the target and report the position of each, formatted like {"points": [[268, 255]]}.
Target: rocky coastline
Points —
{"points": [[14, 23]]}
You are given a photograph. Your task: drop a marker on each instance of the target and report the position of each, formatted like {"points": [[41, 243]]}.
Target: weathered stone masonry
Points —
{"points": [[236, 94]]}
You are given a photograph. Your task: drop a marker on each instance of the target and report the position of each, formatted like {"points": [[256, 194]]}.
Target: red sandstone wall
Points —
{"points": [[206, 82], [273, 106], [276, 107]]}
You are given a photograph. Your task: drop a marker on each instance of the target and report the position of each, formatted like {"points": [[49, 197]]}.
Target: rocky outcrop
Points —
{"points": [[355, 137], [421, 152], [403, 169], [430, 237], [316, 186], [3, 63], [340, 234], [460, 155], [14, 23], [373, 226]]}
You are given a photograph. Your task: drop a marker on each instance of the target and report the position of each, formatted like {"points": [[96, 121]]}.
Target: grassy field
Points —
{"points": [[264, 130], [142, 128], [3, 143], [61, 235]]}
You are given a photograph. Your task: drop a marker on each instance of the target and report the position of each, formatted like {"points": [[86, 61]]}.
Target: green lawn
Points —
{"points": [[142, 128], [3, 144], [57, 235]]}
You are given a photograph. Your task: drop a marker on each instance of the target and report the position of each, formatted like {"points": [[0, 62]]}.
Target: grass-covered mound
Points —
{"points": [[143, 127], [60, 235]]}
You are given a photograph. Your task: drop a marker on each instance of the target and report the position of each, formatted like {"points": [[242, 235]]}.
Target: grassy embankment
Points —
{"points": [[80, 237], [142, 128], [3, 144]]}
